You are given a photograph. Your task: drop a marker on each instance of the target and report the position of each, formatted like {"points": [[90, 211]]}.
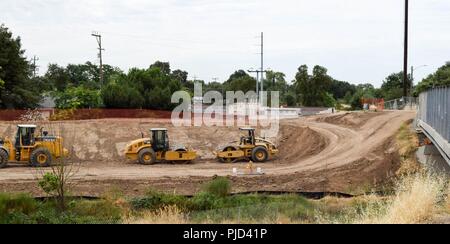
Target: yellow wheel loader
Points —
{"points": [[250, 148], [148, 151], [37, 151]]}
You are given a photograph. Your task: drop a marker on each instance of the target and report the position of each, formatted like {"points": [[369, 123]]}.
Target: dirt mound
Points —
{"points": [[104, 141], [298, 143], [350, 120]]}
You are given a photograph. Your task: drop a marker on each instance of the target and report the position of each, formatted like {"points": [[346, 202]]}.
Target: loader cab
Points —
{"points": [[160, 139], [25, 136], [248, 136]]}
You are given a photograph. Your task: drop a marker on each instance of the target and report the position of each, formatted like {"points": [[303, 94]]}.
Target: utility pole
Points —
{"points": [[262, 61], [260, 73], [35, 66], [98, 37], [405, 61], [257, 81]]}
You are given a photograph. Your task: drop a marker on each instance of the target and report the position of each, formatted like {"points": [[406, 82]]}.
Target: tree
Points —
{"points": [[78, 97], [237, 74], [240, 81], [121, 96], [392, 87], [364, 91], [163, 66], [313, 89], [276, 81], [86, 75], [440, 78], [18, 91], [150, 88], [341, 89], [58, 77], [214, 86], [291, 99], [180, 75], [2, 87]]}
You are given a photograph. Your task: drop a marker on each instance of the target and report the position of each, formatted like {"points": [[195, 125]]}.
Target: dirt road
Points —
{"points": [[320, 153]]}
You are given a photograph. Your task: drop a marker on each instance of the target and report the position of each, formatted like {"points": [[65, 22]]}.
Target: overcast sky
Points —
{"points": [[357, 40]]}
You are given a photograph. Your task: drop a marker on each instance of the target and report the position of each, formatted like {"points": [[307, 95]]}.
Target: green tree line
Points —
{"points": [[79, 86]]}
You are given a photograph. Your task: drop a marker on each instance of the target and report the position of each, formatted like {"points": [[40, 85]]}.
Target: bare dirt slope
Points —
{"points": [[322, 153]]}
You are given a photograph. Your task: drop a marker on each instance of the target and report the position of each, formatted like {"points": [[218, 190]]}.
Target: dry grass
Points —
{"points": [[417, 200], [447, 202], [165, 215], [407, 143]]}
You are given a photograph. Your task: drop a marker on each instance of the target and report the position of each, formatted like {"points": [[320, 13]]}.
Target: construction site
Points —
{"points": [[333, 153], [224, 112]]}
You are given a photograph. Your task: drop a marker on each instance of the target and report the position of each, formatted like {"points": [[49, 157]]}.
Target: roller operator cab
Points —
{"points": [[37, 151], [156, 149], [250, 147]]}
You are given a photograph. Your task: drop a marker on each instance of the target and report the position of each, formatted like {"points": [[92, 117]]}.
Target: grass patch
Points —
{"points": [[257, 208], [22, 209]]}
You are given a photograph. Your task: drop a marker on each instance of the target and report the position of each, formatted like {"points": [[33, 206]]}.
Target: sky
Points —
{"points": [[360, 41]]}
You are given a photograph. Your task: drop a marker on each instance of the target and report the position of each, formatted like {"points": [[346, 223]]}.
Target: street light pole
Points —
{"points": [[414, 69], [405, 58]]}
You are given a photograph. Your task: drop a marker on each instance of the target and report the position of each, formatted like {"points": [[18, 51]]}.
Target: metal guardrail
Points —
{"points": [[404, 103], [434, 118]]}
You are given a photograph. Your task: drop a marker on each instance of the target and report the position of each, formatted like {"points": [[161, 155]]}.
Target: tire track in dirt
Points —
{"points": [[341, 145]]}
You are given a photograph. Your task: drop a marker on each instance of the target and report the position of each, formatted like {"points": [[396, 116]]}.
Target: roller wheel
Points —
{"points": [[229, 160], [147, 156], [182, 161]]}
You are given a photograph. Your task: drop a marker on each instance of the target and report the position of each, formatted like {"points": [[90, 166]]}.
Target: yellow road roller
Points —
{"points": [[250, 148], [156, 149]]}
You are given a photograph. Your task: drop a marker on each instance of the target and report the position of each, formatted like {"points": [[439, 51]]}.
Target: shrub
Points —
{"points": [[220, 187], [78, 97], [49, 183]]}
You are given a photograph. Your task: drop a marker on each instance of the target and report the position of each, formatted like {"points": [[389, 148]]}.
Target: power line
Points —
{"points": [[98, 37]]}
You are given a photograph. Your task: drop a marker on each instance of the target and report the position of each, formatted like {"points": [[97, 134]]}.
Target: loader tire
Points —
{"points": [[260, 155], [41, 157], [147, 156], [3, 159]]}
